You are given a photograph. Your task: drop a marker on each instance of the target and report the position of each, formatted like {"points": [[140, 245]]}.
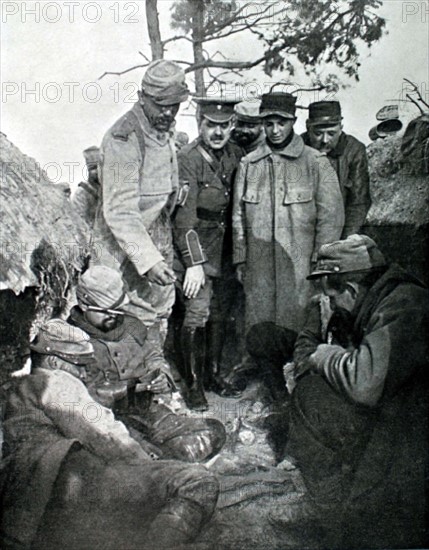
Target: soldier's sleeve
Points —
{"points": [[329, 205], [76, 415], [238, 217], [358, 196], [185, 224], [120, 179]]}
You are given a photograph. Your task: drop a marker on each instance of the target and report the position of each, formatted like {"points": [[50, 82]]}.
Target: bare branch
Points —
{"points": [[417, 91], [226, 64], [177, 37], [415, 103], [123, 72], [144, 56]]}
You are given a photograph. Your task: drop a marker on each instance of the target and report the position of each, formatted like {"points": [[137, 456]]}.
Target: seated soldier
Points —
{"points": [[359, 411], [133, 375], [72, 475]]}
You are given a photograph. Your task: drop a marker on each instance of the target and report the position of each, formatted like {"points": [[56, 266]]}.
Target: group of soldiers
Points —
{"points": [[250, 210]]}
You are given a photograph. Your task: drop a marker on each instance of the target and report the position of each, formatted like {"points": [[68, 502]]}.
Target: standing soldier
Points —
{"points": [[85, 199], [249, 131], [139, 178], [202, 231], [348, 158]]}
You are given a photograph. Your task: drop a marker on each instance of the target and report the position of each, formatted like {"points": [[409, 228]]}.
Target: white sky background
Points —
{"points": [[61, 56]]}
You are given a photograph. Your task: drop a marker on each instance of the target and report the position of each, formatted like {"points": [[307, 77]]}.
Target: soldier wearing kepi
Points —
{"points": [[139, 179], [249, 131], [347, 156], [73, 477], [359, 411], [132, 376], [203, 243]]}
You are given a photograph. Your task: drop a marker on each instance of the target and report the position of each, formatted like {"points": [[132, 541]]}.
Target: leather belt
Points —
{"points": [[210, 216]]}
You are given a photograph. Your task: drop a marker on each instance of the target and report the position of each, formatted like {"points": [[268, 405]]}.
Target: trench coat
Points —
{"points": [[359, 418], [350, 162], [286, 205], [132, 229]]}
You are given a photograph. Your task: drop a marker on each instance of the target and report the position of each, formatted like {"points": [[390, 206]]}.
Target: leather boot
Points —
{"points": [[213, 380], [178, 523], [193, 353]]}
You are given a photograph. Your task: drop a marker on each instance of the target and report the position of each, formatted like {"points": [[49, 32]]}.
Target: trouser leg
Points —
{"points": [[148, 505], [271, 346]]}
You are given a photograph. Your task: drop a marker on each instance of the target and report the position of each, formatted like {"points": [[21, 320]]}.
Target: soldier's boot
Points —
{"points": [[193, 353], [178, 523], [213, 380]]}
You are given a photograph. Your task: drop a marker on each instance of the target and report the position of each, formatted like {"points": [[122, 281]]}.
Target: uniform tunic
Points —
{"points": [[350, 162], [132, 230], [287, 204], [72, 467], [202, 225]]}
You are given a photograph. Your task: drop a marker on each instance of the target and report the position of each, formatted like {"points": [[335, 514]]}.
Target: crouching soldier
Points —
{"points": [[133, 375], [72, 475], [359, 411]]}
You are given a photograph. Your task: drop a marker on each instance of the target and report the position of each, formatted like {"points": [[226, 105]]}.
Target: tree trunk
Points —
{"points": [[152, 20], [198, 36]]}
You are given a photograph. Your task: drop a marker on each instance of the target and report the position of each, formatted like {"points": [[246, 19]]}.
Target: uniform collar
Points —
{"points": [[160, 137], [294, 149]]}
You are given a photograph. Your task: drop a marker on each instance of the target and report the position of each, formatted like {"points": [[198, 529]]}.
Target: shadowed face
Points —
{"points": [[161, 117], [324, 138], [246, 133], [341, 300], [104, 321], [278, 128], [215, 134]]}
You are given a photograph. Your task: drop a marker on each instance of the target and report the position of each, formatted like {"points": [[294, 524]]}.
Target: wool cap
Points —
{"points": [[278, 104], [57, 337], [356, 253], [102, 287], [216, 109], [165, 82], [248, 111], [324, 113], [92, 156]]}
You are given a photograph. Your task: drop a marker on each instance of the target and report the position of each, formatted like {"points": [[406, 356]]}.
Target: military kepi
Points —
{"points": [[56, 337], [356, 253], [324, 113], [165, 82], [278, 104], [216, 109]]}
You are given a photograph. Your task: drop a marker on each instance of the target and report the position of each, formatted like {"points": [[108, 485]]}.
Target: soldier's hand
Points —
{"points": [[240, 271], [194, 280], [159, 384], [161, 274]]}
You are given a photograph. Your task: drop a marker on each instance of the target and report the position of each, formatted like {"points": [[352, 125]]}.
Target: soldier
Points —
{"points": [[139, 179], [203, 245], [73, 475], [347, 156], [249, 131], [85, 199], [135, 379], [359, 411]]}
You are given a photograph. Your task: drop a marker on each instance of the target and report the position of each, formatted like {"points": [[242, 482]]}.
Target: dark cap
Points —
{"points": [[216, 109], [165, 82], [57, 337], [324, 113], [278, 104], [356, 253]]}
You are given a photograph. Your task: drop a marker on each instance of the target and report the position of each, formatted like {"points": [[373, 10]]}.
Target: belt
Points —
{"points": [[210, 216]]}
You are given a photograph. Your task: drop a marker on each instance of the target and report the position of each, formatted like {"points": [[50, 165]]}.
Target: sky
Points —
{"points": [[53, 104]]}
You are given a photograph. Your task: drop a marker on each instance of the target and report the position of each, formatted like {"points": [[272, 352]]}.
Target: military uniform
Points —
{"points": [[202, 225], [203, 236], [139, 178]]}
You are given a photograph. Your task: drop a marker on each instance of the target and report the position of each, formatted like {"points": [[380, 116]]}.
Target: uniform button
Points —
{"points": [[116, 354], [122, 370], [226, 193], [206, 185]]}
